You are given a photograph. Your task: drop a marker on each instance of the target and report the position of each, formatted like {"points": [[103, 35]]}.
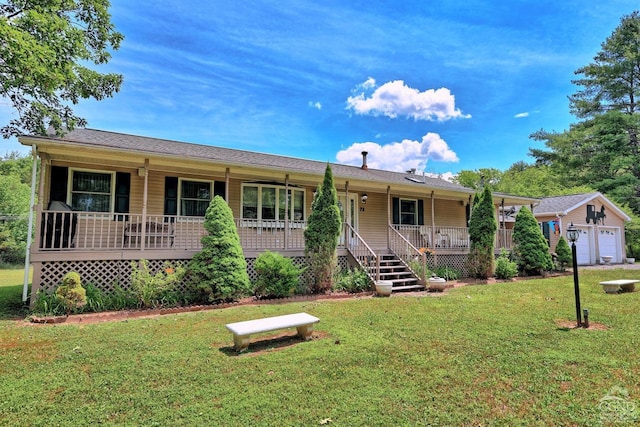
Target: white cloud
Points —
{"points": [[521, 115], [315, 105], [394, 99], [399, 156]]}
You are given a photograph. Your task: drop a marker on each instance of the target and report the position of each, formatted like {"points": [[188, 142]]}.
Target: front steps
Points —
{"points": [[393, 270]]}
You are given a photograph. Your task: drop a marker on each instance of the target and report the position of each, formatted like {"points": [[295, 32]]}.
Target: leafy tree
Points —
{"points": [[563, 254], [482, 233], [45, 47], [14, 215], [530, 247], [321, 234], [219, 270], [478, 179]]}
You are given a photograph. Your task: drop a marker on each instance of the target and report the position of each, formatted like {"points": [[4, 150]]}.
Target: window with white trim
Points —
{"points": [[92, 191], [269, 202], [194, 197]]}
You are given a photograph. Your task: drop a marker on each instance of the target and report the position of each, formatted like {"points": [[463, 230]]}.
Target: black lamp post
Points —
{"points": [[573, 234]]}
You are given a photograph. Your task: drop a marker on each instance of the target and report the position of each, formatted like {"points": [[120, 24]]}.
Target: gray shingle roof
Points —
{"points": [[163, 147], [562, 204]]}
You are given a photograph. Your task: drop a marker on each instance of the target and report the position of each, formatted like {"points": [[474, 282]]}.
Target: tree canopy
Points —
{"points": [[45, 47]]}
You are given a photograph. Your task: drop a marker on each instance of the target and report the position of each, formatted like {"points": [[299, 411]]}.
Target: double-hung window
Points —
{"points": [[408, 212], [92, 191], [269, 202], [195, 197]]}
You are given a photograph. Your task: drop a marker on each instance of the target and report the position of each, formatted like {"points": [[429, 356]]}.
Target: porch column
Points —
{"points": [[504, 226], [389, 216], [287, 205], [432, 232], [227, 176], [346, 210], [34, 168], [143, 223]]}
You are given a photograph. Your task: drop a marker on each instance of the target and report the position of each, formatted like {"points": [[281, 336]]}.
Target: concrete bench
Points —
{"points": [[614, 286], [303, 322]]}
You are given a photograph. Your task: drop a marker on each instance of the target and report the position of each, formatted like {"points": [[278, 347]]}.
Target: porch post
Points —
{"points": [[143, 225], [504, 226], [389, 219], [34, 168], [347, 214], [227, 176], [433, 227], [287, 204]]}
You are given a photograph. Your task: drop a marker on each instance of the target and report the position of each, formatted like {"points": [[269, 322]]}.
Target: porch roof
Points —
{"points": [[168, 149]]}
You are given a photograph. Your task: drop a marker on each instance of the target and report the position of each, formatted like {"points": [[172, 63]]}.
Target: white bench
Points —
{"points": [[624, 285], [242, 330]]}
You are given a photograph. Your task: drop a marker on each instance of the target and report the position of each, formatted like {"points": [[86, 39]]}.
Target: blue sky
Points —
{"points": [[441, 86]]}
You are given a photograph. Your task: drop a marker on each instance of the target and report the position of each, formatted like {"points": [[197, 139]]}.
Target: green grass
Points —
{"points": [[11, 306], [478, 355]]}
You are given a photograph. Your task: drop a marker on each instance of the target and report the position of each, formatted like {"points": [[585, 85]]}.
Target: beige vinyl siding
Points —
{"points": [[372, 220], [450, 213]]}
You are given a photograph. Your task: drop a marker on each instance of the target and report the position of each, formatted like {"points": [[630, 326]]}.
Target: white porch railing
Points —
{"points": [[90, 231], [408, 253], [444, 237], [359, 249]]}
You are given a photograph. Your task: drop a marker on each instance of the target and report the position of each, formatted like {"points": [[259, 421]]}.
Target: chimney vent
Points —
{"points": [[364, 160]]}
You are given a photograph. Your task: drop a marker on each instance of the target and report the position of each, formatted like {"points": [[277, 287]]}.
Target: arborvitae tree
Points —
{"points": [[530, 247], [322, 233], [482, 233], [219, 270], [563, 254]]}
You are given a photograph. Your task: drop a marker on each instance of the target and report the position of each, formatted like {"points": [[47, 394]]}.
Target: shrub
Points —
{"points": [[219, 271], [154, 289], [277, 276], [71, 293], [353, 281], [447, 273], [505, 268], [416, 266], [531, 250], [563, 254]]}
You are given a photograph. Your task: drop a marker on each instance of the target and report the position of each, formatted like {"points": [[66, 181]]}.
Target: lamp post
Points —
{"points": [[573, 234]]}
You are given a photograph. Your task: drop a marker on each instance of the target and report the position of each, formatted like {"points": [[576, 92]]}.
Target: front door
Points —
{"points": [[349, 207]]}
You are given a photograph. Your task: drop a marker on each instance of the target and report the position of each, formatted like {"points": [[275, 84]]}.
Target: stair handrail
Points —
{"points": [[363, 254], [404, 249]]}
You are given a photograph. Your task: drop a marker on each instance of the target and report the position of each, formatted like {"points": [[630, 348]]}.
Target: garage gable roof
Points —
{"points": [[562, 205]]}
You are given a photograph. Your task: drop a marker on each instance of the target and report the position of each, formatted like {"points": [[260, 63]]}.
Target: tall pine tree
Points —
{"points": [[482, 233]]}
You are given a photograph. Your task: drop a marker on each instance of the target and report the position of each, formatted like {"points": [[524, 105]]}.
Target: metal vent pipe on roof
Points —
{"points": [[364, 160]]}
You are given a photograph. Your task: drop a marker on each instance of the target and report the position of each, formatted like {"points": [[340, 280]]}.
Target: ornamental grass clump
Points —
{"points": [[71, 293]]}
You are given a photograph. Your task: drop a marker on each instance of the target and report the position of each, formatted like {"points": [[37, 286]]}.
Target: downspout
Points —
{"points": [[389, 214], [27, 260]]}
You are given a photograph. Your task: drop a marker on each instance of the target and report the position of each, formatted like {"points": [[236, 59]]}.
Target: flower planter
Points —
{"points": [[607, 259], [384, 288], [437, 284], [631, 260]]}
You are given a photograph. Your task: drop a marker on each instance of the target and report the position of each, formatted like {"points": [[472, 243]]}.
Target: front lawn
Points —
{"points": [[476, 355]]}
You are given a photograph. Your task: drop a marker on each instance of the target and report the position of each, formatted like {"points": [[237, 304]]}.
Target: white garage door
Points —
{"points": [[608, 243], [583, 247]]}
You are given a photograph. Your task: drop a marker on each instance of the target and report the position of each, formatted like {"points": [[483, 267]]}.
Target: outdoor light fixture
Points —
{"points": [[573, 234], [364, 199]]}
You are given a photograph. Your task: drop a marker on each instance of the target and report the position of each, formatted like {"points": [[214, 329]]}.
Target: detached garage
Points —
{"points": [[600, 222]]}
